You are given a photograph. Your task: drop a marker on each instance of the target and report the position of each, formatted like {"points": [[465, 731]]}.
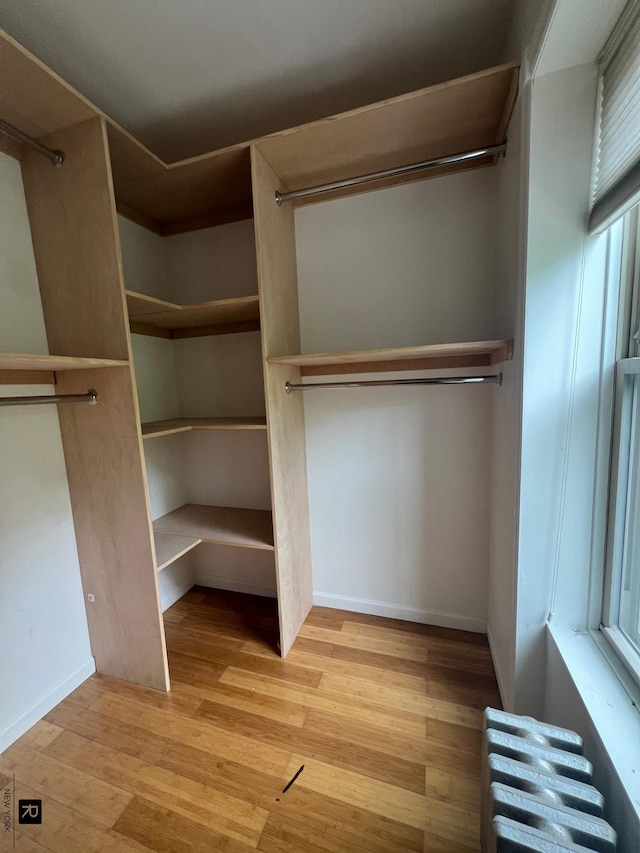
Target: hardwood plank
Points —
{"points": [[246, 700], [102, 802], [277, 286], [412, 632], [40, 736], [221, 525], [335, 747], [336, 666], [128, 738], [246, 662], [412, 725], [195, 732], [163, 830], [203, 804], [404, 700], [286, 832], [168, 427], [363, 732], [367, 793], [65, 830]]}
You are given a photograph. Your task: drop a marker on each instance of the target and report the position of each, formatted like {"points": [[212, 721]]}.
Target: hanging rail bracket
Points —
{"points": [[475, 154]]}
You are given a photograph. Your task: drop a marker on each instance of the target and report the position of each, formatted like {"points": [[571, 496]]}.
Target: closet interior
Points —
{"points": [[172, 290]]}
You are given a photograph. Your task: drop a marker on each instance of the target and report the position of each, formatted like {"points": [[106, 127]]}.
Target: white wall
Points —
{"points": [[399, 479], [216, 376], [412, 264], [563, 311], [507, 408], [43, 627]]}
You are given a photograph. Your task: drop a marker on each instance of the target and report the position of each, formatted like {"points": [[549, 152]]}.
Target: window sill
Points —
{"points": [[606, 691]]}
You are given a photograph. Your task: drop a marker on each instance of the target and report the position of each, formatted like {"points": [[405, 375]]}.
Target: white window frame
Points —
{"points": [[623, 527]]}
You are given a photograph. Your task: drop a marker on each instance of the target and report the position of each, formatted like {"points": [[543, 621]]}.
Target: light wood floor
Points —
{"points": [[384, 715]]}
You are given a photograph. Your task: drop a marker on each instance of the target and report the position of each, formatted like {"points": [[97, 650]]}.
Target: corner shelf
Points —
{"points": [[151, 316], [184, 528], [170, 427], [469, 354]]}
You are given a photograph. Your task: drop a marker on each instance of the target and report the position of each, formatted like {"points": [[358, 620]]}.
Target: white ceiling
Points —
{"points": [[186, 76]]}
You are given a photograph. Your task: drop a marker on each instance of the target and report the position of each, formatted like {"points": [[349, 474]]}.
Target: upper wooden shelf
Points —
{"points": [[18, 368], [469, 354], [216, 525], [28, 361], [469, 112], [152, 316], [463, 114], [169, 427]]}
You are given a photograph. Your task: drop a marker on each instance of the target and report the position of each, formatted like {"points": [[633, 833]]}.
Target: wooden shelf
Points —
{"points": [[28, 361], [28, 369], [460, 115], [157, 428], [170, 548], [157, 317], [217, 525], [469, 354]]}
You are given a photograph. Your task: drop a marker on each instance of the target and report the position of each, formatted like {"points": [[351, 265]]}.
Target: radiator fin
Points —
{"points": [[537, 796]]}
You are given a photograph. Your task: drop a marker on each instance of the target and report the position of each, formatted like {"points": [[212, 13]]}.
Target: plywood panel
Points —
{"points": [[170, 547], [421, 356], [213, 188], [158, 428], [467, 113], [76, 245], [277, 286], [29, 361], [102, 448], [449, 118], [169, 315], [32, 97], [220, 525]]}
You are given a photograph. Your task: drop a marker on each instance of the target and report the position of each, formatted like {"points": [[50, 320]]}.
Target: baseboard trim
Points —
{"points": [[43, 704], [400, 611], [498, 671], [236, 585], [176, 593]]}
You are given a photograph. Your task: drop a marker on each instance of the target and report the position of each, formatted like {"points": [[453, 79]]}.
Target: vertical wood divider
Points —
{"points": [[279, 322], [77, 248]]}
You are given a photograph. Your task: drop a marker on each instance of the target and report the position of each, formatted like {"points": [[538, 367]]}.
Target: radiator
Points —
{"points": [[537, 795]]}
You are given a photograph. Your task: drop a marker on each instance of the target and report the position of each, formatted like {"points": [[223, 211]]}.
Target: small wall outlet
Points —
{"points": [[91, 597]]}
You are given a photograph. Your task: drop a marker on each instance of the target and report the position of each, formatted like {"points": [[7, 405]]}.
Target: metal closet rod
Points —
{"points": [[390, 173], [91, 397], [494, 379], [56, 157]]}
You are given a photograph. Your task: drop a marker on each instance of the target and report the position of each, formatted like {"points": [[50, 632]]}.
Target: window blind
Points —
{"points": [[616, 178]]}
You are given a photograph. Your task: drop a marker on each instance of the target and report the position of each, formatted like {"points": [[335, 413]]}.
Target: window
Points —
{"points": [[621, 611]]}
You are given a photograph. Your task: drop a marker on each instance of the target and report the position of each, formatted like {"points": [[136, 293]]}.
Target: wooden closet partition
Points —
{"points": [[278, 289], [73, 224]]}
